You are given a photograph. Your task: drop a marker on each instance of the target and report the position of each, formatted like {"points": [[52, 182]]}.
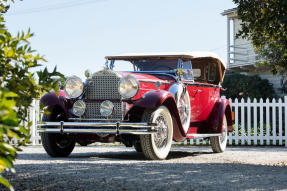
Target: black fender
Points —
{"points": [[215, 120], [52, 102], [152, 100]]}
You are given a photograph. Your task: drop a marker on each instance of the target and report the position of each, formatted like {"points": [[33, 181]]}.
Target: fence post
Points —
{"points": [[261, 121], [230, 137], [274, 122], [32, 111], [285, 114], [248, 121], [255, 133], [236, 121], [280, 133], [242, 129], [267, 136]]}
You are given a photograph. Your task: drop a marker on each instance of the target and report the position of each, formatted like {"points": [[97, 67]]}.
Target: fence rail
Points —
{"points": [[256, 122]]}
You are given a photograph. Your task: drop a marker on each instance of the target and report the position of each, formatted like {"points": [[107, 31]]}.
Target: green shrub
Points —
{"points": [[18, 87], [243, 86]]}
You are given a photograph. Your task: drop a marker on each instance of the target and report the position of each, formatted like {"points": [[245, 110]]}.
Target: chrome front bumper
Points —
{"points": [[97, 127]]}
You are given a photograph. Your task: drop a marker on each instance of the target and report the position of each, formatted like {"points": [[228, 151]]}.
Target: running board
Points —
{"points": [[198, 136]]}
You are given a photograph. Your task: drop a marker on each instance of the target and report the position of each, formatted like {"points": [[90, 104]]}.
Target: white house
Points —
{"points": [[240, 53]]}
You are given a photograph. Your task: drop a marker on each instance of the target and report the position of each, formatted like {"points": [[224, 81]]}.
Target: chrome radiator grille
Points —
{"points": [[103, 86], [93, 111]]}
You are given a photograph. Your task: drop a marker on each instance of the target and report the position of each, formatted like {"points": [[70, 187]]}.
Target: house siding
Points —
{"points": [[243, 58]]}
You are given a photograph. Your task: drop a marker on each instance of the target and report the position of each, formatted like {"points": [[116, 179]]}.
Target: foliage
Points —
{"points": [[283, 83], [18, 87], [265, 24], [243, 86]]}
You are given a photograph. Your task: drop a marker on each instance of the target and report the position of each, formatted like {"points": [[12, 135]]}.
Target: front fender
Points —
{"points": [[152, 100], [51, 101], [215, 120]]}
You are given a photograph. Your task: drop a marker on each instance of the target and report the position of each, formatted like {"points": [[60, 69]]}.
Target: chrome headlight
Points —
{"points": [[73, 87], [128, 86], [106, 108], [79, 108]]}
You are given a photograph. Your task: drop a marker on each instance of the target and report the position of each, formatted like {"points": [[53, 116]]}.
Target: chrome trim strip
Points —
{"points": [[106, 72], [197, 136], [201, 85], [157, 71], [98, 127], [154, 81], [92, 119], [97, 124], [100, 131]]}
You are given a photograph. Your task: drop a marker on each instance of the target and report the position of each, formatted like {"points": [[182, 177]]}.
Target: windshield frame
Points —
{"points": [[182, 73]]}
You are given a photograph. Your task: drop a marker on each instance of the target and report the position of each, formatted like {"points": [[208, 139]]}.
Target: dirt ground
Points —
{"points": [[121, 168]]}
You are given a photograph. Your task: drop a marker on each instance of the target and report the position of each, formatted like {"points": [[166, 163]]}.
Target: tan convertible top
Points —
{"points": [[183, 55]]}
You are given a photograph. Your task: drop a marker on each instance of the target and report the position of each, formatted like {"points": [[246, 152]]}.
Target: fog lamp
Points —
{"points": [[106, 108], [79, 108]]}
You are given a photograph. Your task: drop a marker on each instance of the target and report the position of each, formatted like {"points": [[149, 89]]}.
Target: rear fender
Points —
{"points": [[215, 120], [152, 100]]}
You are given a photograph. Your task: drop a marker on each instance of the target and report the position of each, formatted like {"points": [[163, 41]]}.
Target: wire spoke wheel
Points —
{"points": [[219, 143], [183, 106], [161, 136], [157, 145]]}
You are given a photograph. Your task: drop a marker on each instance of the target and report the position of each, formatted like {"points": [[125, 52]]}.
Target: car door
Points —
{"points": [[203, 93], [199, 100]]}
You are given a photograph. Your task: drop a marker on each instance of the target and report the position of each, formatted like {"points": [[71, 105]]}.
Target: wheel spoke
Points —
{"points": [[162, 135]]}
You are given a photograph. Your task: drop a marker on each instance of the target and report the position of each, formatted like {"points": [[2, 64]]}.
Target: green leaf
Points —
{"points": [[6, 183], [6, 161], [18, 89]]}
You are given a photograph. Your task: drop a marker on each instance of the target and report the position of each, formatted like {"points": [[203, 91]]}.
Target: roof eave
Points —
{"points": [[227, 12]]}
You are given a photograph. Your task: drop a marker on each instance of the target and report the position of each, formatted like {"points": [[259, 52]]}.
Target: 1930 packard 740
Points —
{"points": [[164, 97]]}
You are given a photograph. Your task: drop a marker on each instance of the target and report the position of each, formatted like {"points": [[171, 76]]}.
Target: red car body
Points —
{"points": [[204, 115]]}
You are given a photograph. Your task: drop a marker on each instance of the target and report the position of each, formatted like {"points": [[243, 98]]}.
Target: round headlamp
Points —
{"points": [[79, 108], [73, 87], [128, 86], [106, 108]]}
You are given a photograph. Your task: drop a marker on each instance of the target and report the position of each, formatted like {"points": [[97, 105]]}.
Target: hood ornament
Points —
{"points": [[88, 73]]}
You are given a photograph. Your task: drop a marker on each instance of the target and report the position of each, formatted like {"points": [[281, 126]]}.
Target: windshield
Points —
{"points": [[145, 65]]}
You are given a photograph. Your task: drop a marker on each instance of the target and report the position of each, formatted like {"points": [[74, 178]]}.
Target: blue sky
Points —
{"points": [[76, 35]]}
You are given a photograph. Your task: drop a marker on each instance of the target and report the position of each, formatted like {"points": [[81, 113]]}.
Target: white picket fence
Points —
{"points": [[256, 123]]}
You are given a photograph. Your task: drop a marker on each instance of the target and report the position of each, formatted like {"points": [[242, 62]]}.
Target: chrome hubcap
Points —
{"points": [[183, 110], [161, 136]]}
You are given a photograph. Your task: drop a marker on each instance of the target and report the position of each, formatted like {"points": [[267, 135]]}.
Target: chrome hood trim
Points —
{"points": [[105, 72]]}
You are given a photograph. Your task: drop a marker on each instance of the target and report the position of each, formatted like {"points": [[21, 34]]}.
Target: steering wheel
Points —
{"points": [[162, 66]]}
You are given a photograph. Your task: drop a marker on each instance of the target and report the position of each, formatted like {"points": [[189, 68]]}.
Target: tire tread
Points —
{"points": [[48, 142]]}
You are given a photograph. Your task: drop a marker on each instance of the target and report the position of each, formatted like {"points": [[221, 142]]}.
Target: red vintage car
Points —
{"points": [[161, 98]]}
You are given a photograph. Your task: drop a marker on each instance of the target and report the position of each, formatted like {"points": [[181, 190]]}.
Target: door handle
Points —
{"points": [[196, 91]]}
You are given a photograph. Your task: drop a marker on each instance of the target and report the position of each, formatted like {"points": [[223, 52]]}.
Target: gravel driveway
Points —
{"points": [[121, 168]]}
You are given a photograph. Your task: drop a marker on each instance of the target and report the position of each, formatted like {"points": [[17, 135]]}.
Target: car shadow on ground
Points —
{"points": [[74, 175], [118, 168], [140, 156], [120, 155]]}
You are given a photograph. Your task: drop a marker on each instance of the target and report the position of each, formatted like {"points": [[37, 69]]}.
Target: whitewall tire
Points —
{"points": [[218, 144], [157, 145]]}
